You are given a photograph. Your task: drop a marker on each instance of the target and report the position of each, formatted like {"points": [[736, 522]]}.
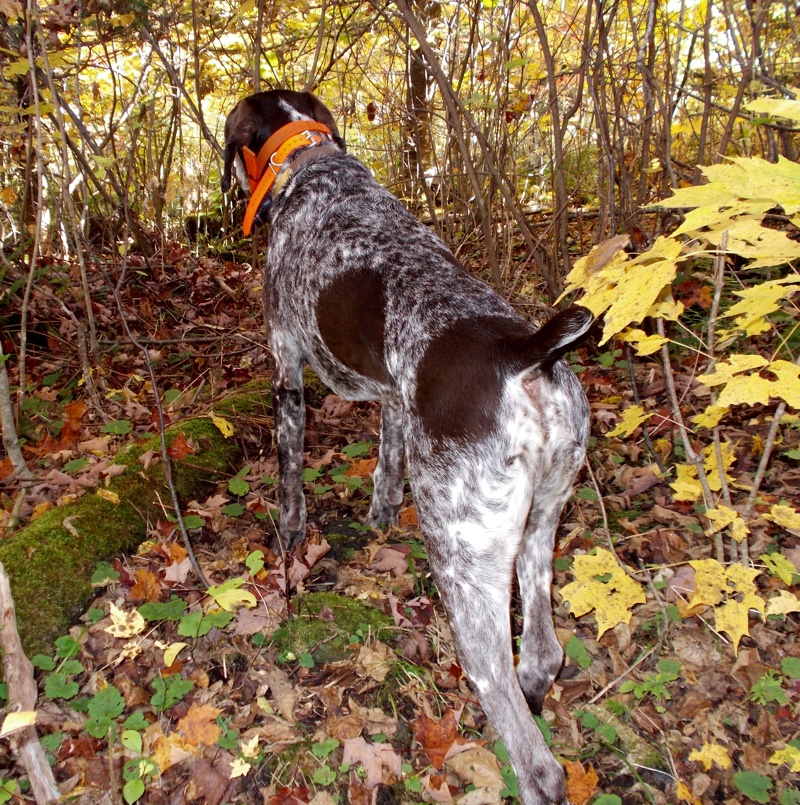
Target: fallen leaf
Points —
{"points": [[436, 737], [602, 585], [16, 721], [783, 603], [146, 588], [124, 624], [240, 768], [790, 756], [179, 448], [711, 753], [375, 660], [199, 725], [479, 767], [581, 784], [376, 759]]}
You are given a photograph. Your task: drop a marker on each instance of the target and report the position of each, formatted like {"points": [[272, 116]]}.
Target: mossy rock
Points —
{"points": [[50, 561], [330, 640]]}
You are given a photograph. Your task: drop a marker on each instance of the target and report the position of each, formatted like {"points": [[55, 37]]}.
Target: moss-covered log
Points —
{"points": [[50, 561]]}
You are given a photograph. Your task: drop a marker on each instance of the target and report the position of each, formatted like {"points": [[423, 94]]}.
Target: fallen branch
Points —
{"points": [[22, 695]]}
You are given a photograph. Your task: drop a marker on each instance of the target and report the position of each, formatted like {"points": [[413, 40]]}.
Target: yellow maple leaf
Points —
{"points": [[783, 603], [684, 794], [686, 486], [710, 753], [784, 516], [790, 756], [711, 465], [711, 417], [758, 302], [603, 586], [124, 624], [666, 309], [225, 427], [720, 517], [710, 584], [240, 768], [762, 246], [625, 289], [733, 617], [199, 725], [631, 418], [779, 107], [780, 566], [249, 748], [714, 583], [643, 343], [787, 385], [725, 371], [230, 597]]}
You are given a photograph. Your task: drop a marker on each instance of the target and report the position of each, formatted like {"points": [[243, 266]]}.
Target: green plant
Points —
{"points": [[654, 685], [767, 689], [137, 770]]}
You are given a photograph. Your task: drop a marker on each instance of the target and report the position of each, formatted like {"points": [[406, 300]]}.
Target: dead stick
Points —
{"points": [[22, 695]]}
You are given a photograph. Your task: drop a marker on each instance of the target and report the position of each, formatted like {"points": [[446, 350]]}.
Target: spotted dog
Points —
{"points": [[492, 424]]}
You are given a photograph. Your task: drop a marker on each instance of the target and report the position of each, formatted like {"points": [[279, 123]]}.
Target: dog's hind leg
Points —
{"points": [[388, 475], [541, 655], [290, 417], [475, 586]]}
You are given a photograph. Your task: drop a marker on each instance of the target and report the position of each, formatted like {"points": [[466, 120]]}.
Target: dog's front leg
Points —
{"points": [[388, 475], [290, 418]]}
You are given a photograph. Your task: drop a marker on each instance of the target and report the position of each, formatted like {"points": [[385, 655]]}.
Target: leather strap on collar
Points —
{"points": [[263, 169]]}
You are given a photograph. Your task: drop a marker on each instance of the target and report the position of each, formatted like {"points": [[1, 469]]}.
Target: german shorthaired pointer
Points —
{"points": [[493, 425]]}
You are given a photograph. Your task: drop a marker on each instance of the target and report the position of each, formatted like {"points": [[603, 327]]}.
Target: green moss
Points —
{"points": [[314, 390], [251, 400], [329, 641], [50, 561], [637, 749]]}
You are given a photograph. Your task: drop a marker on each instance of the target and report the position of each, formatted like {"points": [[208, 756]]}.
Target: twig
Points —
{"points": [[622, 676], [165, 459], [22, 696]]}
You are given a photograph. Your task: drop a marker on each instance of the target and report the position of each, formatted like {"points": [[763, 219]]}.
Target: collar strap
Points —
{"points": [[263, 169]]}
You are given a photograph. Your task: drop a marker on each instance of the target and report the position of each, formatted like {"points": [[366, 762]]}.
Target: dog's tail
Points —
{"points": [[561, 334]]}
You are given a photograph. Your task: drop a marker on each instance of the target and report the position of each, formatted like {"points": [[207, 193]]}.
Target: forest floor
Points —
{"points": [[329, 675]]}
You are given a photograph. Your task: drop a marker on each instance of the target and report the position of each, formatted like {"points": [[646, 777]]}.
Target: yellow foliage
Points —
{"points": [[644, 344], [611, 599], [784, 516], [686, 486], [758, 302], [780, 566], [622, 288], [777, 107], [710, 753], [712, 467], [790, 756], [751, 389], [230, 597], [711, 417], [225, 427], [783, 603], [631, 419], [124, 624], [730, 592], [721, 517]]}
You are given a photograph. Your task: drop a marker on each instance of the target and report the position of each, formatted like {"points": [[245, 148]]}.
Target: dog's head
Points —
{"points": [[257, 117]]}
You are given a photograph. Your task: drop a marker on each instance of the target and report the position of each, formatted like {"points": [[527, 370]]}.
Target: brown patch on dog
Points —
{"points": [[470, 360], [351, 316]]}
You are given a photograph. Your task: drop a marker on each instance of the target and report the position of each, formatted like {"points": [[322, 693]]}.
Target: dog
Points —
{"points": [[492, 422]]}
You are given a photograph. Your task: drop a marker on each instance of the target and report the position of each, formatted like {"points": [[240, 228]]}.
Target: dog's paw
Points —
{"points": [[382, 515]]}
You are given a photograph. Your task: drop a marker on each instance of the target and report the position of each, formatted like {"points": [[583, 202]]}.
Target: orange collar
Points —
{"points": [[262, 170]]}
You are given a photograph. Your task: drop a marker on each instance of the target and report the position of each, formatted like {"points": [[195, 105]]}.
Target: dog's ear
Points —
{"points": [[561, 334], [322, 114]]}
